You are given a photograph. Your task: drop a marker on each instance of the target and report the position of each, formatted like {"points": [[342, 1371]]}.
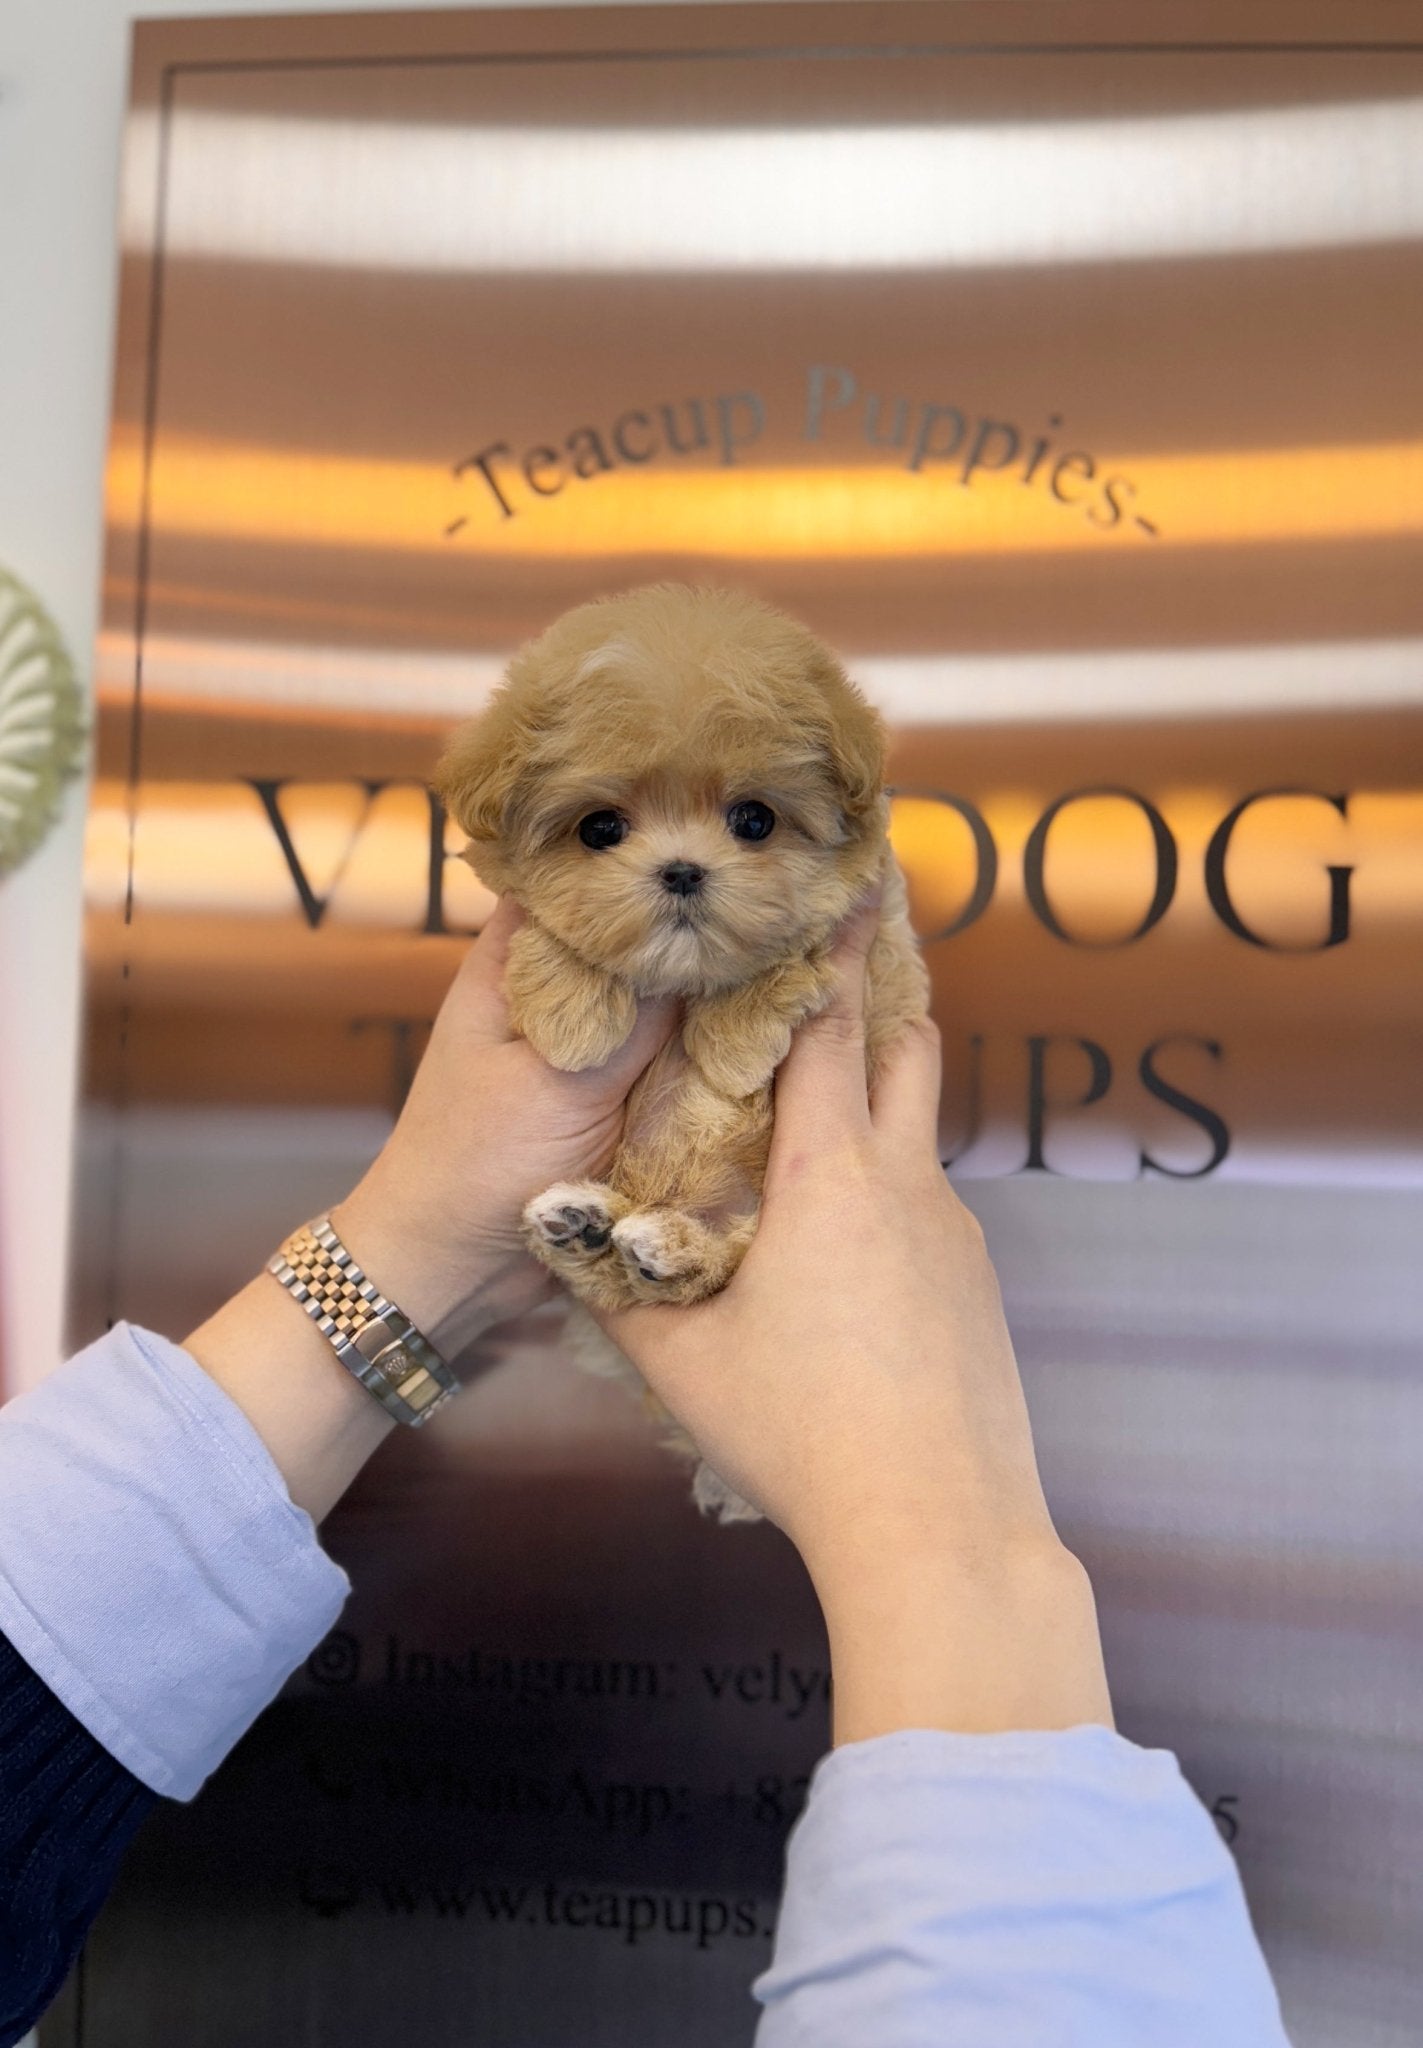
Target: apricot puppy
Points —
{"points": [[684, 792]]}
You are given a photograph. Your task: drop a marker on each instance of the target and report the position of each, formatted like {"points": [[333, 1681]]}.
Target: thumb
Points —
{"points": [[820, 1085], [475, 1000]]}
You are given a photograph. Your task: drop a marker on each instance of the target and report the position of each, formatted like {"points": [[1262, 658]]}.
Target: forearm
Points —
{"points": [[315, 1418], [970, 1639]]}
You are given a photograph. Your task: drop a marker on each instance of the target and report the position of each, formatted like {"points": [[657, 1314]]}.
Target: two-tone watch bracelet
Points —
{"points": [[373, 1339]]}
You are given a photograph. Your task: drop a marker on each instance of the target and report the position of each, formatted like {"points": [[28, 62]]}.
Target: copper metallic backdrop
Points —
{"points": [[1068, 382]]}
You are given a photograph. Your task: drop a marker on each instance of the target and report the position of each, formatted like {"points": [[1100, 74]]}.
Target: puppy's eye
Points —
{"points": [[602, 829], [751, 820]]}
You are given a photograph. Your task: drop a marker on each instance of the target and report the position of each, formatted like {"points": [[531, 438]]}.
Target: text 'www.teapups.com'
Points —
{"points": [[704, 1919]]}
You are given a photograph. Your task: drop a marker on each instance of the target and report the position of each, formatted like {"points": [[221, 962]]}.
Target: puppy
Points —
{"points": [[684, 793]]}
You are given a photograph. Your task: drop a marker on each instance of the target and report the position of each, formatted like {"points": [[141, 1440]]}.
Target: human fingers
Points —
{"points": [[904, 1105], [820, 1085], [477, 991]]}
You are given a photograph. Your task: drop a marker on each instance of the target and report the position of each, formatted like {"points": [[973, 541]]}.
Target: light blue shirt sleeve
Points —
{"points": [[153, 1569], [1012, 1891]]}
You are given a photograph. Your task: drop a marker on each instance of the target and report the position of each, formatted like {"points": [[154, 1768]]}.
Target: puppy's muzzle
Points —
{"points": [[682, 877]]}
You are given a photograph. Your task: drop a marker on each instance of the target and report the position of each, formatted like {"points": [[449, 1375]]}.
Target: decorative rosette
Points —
{"points": [[42, 723]]}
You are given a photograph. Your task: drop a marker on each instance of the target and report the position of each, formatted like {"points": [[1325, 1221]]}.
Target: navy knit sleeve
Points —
{"points": [[68, 1811]]}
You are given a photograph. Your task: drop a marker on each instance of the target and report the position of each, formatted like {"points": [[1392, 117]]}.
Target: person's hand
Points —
{"points": [[435, 1222], [856, 1381], [487, 1124]]}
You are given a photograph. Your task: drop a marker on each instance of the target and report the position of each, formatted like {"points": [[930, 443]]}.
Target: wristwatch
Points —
{"points": [[373, 1339]]}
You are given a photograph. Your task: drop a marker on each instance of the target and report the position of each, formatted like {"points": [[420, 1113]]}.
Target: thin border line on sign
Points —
{"points": [[732, 53]]}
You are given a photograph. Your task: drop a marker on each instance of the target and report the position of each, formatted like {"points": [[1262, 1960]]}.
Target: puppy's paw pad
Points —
{"points": [[570, 1219], [659, 1248]]}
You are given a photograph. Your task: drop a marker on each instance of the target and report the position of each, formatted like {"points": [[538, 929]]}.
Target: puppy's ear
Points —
{"points": [[480, 768], [857, 744]]}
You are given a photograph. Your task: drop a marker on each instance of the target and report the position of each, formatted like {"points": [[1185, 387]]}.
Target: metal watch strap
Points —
{"points": [[373, 1339]]}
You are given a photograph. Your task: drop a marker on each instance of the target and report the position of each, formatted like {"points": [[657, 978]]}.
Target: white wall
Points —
{"points": [[63, 83]]}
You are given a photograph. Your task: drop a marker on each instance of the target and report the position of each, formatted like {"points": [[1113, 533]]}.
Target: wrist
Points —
{"points": [[317, 1421], [447, 1290], [974, 1638]]}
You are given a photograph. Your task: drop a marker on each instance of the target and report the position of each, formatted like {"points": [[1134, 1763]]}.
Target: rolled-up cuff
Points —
{"points": [[153, 1570]]}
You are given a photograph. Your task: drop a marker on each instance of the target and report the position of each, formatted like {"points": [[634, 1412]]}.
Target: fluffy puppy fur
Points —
{"points": [[685, 794]]}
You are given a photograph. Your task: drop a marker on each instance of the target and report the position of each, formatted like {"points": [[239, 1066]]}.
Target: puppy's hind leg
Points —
{"points": [[670, 1256], [569, 1228]]}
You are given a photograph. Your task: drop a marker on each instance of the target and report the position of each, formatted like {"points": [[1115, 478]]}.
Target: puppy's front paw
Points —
{"points": [[572, 1016], [737, 1067], [571, 1223], [738, 1039]]}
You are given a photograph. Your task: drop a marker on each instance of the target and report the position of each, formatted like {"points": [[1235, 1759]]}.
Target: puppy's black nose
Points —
{"points": [[683, 877]]}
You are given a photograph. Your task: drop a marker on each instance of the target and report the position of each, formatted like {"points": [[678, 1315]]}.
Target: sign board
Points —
{"points": [[1061, 369]]}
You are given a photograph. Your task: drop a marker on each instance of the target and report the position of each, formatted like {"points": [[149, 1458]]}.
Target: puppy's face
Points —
{"points": [[679, 784]]}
